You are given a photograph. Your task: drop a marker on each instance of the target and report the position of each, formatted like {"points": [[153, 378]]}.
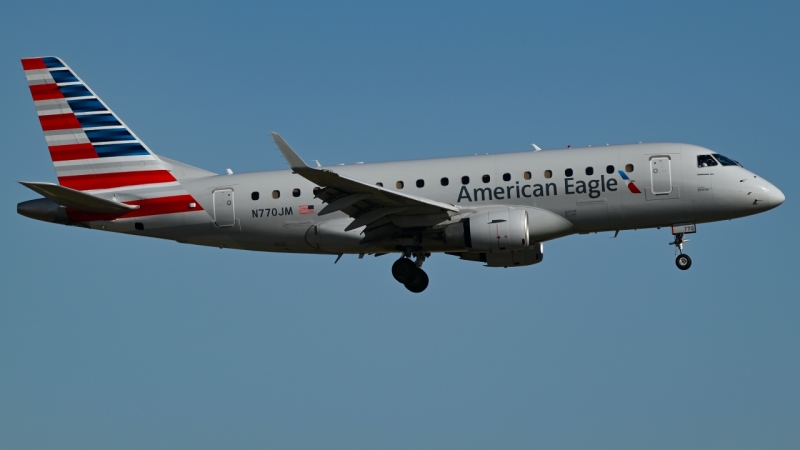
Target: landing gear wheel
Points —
{"points": [[683, 261], [416, 281], [402, 268]]}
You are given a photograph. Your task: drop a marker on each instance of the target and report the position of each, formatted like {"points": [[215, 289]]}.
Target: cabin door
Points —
{"points": [[660, 175], [223, 208]]}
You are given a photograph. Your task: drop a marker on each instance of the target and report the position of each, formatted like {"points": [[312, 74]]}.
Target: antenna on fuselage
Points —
{"points": [[536, 148]]}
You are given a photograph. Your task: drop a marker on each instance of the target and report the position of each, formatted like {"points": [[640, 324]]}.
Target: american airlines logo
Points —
{"points": [[631, 185]]}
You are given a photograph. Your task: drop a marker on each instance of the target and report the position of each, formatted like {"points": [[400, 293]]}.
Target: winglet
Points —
{"points": [[294, 160]]}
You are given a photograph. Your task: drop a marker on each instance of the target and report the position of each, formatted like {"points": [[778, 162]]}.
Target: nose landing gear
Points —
{"points": [[682, 261], [410, 273]]}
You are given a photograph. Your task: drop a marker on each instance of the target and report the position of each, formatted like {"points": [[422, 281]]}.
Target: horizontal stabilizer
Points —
{"points": [[71, 198]]}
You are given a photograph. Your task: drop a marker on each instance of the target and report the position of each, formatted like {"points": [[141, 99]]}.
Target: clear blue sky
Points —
{"points": [[112, 341]]}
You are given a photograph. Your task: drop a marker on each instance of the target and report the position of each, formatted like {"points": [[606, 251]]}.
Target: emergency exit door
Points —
{"points": [[223, 208], [660, 175]]}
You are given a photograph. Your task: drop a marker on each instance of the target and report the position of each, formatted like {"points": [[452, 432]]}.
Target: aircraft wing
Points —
{"points": [[366, 203]]}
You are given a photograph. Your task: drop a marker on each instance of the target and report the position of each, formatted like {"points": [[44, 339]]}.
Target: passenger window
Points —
{"points": [[629, 168], [465, 180], [706, 161], [590, 171], [420, 183], [526, 175], [486, 178], [276, 194], [445, 181], [609, 169], [399, 185], [568, 172], [548, 174], [506, 177], [316, 189], [379, 184], [295, 192], [254, 196]]}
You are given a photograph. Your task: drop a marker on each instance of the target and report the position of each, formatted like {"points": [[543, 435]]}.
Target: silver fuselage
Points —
{"points": [[588, 203]]}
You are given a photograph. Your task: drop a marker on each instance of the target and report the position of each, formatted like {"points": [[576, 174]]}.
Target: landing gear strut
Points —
{"points": [[682, 261], [410, 272]]}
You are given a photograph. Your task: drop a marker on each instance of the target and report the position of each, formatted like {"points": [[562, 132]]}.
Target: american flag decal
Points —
{"points": [[306, 209]]}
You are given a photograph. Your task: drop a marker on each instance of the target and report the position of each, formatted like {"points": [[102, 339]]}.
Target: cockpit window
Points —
{"points": [[725, 161], [706, 161]]}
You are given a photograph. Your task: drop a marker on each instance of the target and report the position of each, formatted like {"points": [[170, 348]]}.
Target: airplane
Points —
{"points": [[496, 209]]}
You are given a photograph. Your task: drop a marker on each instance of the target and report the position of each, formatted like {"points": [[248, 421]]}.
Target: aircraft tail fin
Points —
{"points": [[97, 155], [91, 148]]}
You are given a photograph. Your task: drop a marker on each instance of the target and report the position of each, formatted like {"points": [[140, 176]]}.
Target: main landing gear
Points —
{"points": [[410, 272], [682, 261]]}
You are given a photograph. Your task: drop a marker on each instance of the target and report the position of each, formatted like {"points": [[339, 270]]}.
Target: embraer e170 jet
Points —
{"points": [[493, 209]]}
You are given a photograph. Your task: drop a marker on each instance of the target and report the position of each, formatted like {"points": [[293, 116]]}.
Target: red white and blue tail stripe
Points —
{"points": [[91, 148]]}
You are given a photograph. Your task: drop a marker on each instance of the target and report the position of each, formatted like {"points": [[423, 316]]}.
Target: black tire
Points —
{"points": [[683, 261], [417, 281], [402, 268]]}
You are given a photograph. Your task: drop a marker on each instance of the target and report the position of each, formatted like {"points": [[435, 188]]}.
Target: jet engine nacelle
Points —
{"points": [[525, 257], [499, 230]]}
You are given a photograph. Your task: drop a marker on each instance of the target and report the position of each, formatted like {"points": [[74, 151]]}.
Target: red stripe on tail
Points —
{"points": [[45, 92], [115, 179], [33, 64], [59, 122], [71, 152], [147, 207]]}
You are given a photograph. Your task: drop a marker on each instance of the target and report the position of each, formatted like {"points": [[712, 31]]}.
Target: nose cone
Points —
{"points": [[776, 197]]}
